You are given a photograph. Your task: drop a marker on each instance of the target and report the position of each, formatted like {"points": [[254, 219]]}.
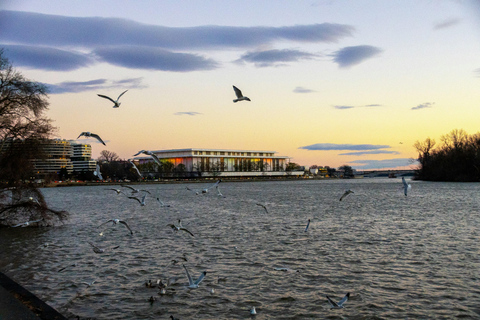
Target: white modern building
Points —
{"points": [[221, 162]]}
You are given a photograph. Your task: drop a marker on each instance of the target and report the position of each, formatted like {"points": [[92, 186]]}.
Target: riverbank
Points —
{"points": [[16, 303]]}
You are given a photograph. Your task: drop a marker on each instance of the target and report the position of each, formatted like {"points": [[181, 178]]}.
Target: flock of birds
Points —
{"points": [[116, 104], [140, 195], [192, 283]]}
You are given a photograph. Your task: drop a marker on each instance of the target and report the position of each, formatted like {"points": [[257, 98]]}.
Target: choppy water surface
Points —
{"points": [[414, 257]]}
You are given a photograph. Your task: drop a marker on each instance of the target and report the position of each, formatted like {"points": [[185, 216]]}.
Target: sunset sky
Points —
{"points": [[331, 82]]}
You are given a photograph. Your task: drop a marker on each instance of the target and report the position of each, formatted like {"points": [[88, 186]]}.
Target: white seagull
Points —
{"points": [[215, 185], [93, 135], [142, 201], [118, 191], [253, 311], [346, 193], [135, 190], [26, 224], [115, 102], [179, 227], [98, 173], [339, 305], [194, 284], [406, 186], [162, 203], [135, 167], [151, 154], [239, 95], [115, 221]]}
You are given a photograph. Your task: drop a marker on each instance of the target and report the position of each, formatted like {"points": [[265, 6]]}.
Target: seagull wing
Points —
{"points": [[344, 195], [81, 134], [190, 281], [141, 151], [308, 225], [128, 187], [126, 225], [200, 279], [121, 94], [135, 167], [182, 228], [332, 303], [111, 220], [155, 158], [261, 205], [102, 96], [344, 299], [96, 136], [238, 93], [18, 225], [135, 198]]}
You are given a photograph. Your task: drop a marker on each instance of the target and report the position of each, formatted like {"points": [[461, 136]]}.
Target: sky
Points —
{"points": [[331, 82]]}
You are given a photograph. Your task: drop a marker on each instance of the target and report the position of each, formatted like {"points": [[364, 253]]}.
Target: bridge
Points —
{"points": [[386, 173]]}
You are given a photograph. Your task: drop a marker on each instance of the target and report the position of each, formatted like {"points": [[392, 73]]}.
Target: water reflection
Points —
{"points": [[399, 257]]}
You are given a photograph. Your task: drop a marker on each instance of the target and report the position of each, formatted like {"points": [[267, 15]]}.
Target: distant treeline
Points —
{"points": [[456, 159]]}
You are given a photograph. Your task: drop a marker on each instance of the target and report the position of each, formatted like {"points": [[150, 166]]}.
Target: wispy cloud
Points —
{"points": [[154, 59], [361, 153], [303, 90], [132, 44], [350, 56], [380, 164], [188, 113], [342, 107], [423, 106], [477, 72], [269, 58], [446, 23], [334, 146], [96, 84], [45, 58]]}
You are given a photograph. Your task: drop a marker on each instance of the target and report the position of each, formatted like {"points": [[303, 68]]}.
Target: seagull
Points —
{"points": [[179, 227], [116, 103], [93, 135], [346, 193], [215, 185], [406, 186], [308, 225], [99, 250], [239, 95], [162, 203], [71, 265], [115, 221], [88, 284], [98, 173], [253, 311], [26, 224], [196, 192], [340, 303], [142, 202], [191, 283], [150, 153], [261, 205], [118, 191], [135, 167], [135, 190]]}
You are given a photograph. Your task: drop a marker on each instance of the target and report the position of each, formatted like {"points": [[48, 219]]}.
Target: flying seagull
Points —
{"points": [[151, 154], [239, 95], [308, 225], [261, 205], [406, 186], [135, 190], [162, 203], [253, 311], [346, 193], [116, 103], [93, 135], [99, 250], [118, 191], [215, 185], [135, 167], [98, 173], [142, 201], [194, 284], [26, 224], [179, 227], [115, 221], [339, 305]]}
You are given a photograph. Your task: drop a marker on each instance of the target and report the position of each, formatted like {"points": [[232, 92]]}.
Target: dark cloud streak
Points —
{"points": [[97, 84], [334, 146], [270, 58], [350, 56]]}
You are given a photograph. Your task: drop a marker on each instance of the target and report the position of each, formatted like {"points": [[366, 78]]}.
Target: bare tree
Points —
{"points": [[108, 156], [22, 128]]}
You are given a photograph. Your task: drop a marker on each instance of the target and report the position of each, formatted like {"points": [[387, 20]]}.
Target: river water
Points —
{"points": [[414, 257]]}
